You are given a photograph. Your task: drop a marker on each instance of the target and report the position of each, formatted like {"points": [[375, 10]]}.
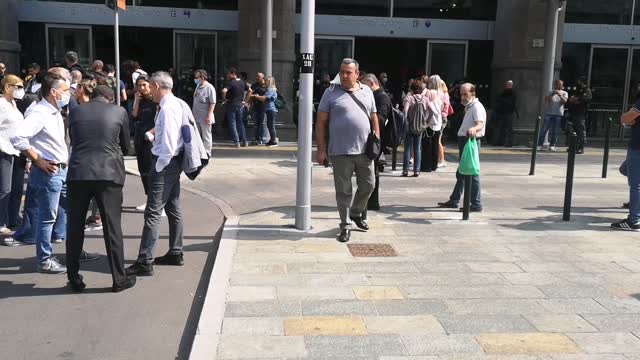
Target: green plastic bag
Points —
{"points": [[470, 159]]}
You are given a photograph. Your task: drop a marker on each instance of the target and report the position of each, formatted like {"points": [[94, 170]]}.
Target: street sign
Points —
{"points": [[122, 4]]}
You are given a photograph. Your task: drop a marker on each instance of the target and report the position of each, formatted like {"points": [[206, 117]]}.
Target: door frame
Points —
{"points": [[195, 32], [454, 42], [66, 26]]}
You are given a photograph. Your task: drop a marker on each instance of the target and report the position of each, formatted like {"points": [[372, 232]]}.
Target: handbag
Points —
{"points": [[373, 146]]}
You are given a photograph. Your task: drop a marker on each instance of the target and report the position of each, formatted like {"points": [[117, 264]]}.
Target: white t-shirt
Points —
{"points": [[473, 113]]}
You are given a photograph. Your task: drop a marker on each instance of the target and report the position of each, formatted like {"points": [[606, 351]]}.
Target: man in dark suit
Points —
{"points": [[99, 139]]}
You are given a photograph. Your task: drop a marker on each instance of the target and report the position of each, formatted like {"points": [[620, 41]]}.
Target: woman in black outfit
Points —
{"points": [[144, 114]]}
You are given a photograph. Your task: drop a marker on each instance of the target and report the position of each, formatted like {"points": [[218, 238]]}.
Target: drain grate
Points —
{"points": [[372, 250]]}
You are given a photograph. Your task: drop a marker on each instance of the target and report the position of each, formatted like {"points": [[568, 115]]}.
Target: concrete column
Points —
{"points": [[9, 42], [249, 49], [518, 55]]}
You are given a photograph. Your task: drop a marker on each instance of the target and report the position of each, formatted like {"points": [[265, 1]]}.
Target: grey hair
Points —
{"points": [[163, 79], [71, 56], [76, 76], [349, 61], [469, 86], [62, 72], [434, 82], [370, 78]]}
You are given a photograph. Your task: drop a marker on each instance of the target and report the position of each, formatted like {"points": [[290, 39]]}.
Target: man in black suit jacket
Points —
{"points": [[99, 139]]}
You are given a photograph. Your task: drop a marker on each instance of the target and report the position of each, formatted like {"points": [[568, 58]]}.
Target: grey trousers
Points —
{"points": [[205, 134], [164, 193], [343, 168]]}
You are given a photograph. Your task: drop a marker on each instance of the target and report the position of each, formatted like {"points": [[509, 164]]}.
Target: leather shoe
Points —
{"points": [[345, 235], [360, 223], [75, 282], [128, 283], [139, 269], [170, 259], [449, 204]]}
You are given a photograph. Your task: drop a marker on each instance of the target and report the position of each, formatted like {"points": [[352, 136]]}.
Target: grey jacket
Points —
{"points": [[195, 156]]}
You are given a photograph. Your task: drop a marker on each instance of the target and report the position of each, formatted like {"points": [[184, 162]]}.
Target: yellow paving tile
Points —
{"points": [[527, 343], [325, 325], [378, 293]]}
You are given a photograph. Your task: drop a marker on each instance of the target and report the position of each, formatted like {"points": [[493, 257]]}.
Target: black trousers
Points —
{"points": [[430, 146], [108, 195]]}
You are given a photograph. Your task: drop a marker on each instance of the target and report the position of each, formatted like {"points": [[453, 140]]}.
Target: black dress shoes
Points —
{"points": [[449, 204], [170, 259], [75, 282], [345, 235], [360, 223], [140, 269], [128, 283]]}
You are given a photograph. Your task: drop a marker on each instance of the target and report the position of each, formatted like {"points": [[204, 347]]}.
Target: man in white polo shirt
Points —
{"points": [[473, 126]]}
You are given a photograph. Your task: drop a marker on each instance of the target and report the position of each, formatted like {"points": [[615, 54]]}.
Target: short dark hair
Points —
{"points": [[232, 71], [51, 81], [201, 73], [34, 66], [109, 68], [417, 86], [143, 77], [71, 56], [105, 92]]}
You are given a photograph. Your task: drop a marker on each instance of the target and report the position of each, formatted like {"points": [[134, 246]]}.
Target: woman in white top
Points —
{"points": [[440, 86], [10, 119]]}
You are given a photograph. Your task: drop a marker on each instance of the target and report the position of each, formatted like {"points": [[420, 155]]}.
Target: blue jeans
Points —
{"points": [[412, 142], [259, 124], [25, 233], [17, 190], [551, 124], [633, 178], [271, 124], [236, 124], [50, 195], [475, 180]]}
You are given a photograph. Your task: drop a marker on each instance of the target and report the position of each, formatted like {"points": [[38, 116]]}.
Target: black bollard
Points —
{"points": [[607, 143], [571, 162], [466, 201], [394, 158], [534, 152]]}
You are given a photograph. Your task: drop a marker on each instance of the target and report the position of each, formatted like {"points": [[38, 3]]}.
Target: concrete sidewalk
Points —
{"points": [[515, 282]]}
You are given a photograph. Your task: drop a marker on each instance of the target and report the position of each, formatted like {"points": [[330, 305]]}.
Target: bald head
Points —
{"points": [[76, 76]]}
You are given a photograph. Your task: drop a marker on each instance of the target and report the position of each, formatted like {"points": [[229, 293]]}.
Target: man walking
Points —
{"points": [[348, 113], [473, 126], [204, 104], [258, 89], [99, 138], [164, 180], [578, 109], [553, 113]]}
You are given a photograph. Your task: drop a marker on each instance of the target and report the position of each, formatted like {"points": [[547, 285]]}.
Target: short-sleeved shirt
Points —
{"points": [[349, 125], [236, 90], [555, 106], [259, 90], [473, 113], [634, 142], [270, 103], [203, 97]]}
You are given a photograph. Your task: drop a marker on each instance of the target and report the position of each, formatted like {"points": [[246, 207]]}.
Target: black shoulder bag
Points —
{"points": [[373, 146]]}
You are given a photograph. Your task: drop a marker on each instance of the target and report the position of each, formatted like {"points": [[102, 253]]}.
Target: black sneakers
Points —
{"points": [[170, 259], [140, 269], [449, 204], [625, 225]]}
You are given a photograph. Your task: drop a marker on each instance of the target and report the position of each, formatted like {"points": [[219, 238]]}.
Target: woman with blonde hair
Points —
{"points": [[438, 84], [11, 169], [271, 110]]}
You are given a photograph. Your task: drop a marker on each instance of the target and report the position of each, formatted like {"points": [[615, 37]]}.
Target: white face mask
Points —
{"points": [[18, 94], [64, 101]]}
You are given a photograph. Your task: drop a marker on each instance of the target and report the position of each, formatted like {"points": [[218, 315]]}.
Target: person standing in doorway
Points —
{"points": [[204, 104], [553, 113], [506, 109], [234, 95], [578, 106]]}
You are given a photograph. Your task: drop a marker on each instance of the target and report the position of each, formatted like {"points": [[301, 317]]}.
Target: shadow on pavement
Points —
{"points": [[555, 223], [579, 210], [10, 290]]}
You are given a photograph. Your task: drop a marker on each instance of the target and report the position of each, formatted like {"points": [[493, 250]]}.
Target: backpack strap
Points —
{"points": [[361, 105]]}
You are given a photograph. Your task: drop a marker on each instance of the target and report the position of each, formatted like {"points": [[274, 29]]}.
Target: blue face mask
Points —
{"points": [[197, 81]]}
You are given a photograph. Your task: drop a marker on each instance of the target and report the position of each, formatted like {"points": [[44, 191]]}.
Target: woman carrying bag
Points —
{"points": [[415, 109]]}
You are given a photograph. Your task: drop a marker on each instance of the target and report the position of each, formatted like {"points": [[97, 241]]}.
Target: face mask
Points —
{"points": [[18, 94], [197, 81], [64, 101]]}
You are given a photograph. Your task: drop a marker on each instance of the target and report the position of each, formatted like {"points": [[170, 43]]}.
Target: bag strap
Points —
{"points": [[361, 105]]}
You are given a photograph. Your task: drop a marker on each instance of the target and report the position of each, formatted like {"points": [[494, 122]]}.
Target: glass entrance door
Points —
{"points": [[193, 50], [63, 38], [447, 59]]}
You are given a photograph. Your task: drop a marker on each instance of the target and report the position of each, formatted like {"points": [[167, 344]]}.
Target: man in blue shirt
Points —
{"points": [[632, 222]]}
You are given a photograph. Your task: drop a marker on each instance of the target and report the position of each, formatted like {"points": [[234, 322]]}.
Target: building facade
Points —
{"points": [[485, 41]]}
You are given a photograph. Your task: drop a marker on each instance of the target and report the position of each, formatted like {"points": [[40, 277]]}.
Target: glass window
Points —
{"points": [[63, 39], [446, 9], [187, 4], [32, 38], [351, 7], [599, 12], [575, 62], [227, 56], [480, 58]]}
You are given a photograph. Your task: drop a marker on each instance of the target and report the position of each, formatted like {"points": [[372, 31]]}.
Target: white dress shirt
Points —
{"points": [[43, 130], [10, 119], [168, 139]]}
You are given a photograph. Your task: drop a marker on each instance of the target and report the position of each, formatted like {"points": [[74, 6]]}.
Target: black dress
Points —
{"points": [[144, 122]]}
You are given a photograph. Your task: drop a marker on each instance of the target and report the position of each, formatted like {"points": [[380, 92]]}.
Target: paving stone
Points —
{"points": [[403, 325], [589, 357], [494, 307], [472, 292], [621, 306], [441, 344], [572, 306], [552, 267], [325, 325], [633, 266], [377, 293], [494, 357], [251, 293], [606, 343], [409, 307], [467, 324], [527, 343], [261, 347], [476, 279], [267, 280], [409, 279], [381, 267], [331, 280], [243, 268], [592, 267], [317, 268], [614, 322], [350, 346], [338, 307], [409, 357], [442, 267], [494, 267], [535, 279], [574, 291], [560, 323], [321, 248], [263, 309], [252, 326], [314, 293]]}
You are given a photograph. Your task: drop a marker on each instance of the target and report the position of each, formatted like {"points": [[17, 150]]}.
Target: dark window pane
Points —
{"points": [[599, 12], [446, 9], [575, 62], [352, 7], [188, 4]]}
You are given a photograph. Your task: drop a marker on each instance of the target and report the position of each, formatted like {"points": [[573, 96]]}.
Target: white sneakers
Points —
{"points": [[552, 148]]}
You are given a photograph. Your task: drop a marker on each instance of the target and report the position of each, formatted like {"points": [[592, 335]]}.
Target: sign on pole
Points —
{"points": [[122, 5]]}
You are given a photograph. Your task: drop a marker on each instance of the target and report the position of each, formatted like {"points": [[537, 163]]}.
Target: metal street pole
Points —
{"points": [[303, 190], [116, 26], [551, 36], [267, 38]]}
